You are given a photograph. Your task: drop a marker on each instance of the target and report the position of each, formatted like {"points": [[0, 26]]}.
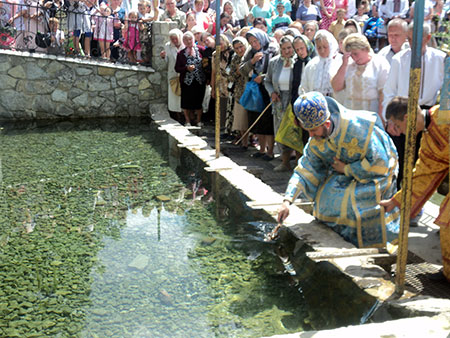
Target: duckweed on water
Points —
{"points": [[96, 240], [100, 238]]}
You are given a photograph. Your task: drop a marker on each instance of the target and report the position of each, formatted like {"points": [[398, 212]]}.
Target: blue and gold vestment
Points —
{"points": [[349, 203]]}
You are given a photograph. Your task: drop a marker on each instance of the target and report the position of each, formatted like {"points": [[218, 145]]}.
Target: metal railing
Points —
{"points": [[72, 29]]}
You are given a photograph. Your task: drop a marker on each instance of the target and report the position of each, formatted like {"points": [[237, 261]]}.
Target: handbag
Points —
{"points": [[252, 98], [43, 40], [175, 85], [288, 133]]}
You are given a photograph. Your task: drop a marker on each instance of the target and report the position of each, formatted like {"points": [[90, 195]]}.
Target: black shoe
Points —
{"points": [[437, 277], [257, 155], [267, 158]]}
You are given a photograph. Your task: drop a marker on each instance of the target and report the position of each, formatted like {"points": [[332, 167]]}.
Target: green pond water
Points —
{"points": [[99, 237]]}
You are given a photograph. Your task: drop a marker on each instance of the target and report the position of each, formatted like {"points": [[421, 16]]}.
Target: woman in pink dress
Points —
{"points": [[328, 11]]}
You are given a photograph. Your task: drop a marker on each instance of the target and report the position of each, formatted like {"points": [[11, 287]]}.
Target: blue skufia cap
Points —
{"points": [[311, 110]]}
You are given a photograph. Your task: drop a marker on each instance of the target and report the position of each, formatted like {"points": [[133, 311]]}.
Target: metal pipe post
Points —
{"points": [[217, 79], [410, 143]]}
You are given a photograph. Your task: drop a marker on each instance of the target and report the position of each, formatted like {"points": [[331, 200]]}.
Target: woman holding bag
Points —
{"points": [[278, 83], [256, 62], [169, 54]]}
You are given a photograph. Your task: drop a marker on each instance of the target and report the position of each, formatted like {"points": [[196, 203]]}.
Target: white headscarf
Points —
{"points": [[179, 34], [322, 82]]}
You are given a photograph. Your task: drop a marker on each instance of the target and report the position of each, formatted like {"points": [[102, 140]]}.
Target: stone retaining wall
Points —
{"points": [[46, 86]]}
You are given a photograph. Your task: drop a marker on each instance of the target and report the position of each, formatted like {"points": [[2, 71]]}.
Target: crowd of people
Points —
{"points": [[286, 48], [107, 29]]}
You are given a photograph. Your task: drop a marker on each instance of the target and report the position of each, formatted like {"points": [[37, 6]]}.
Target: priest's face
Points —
{"points": [[321, 132]]}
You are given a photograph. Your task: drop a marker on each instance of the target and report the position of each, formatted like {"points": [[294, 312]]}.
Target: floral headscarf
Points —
{"points": [[310, 48], [241, 40]]}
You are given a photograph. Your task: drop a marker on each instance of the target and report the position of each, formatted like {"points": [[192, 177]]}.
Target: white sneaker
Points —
{"points": [[200, 124], [188, 125]]}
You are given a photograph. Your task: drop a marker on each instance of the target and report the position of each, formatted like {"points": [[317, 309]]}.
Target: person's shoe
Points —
{"points": [[281, 168], [414, 222], [200, 124], [257, 155], [188, 125], [267, 157], [437, 276]]}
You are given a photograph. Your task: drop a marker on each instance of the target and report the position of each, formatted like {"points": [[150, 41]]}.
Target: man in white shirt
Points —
{"points": [[432, 75], [397, 84], [397, 31], [241, 10], [395, 9]]}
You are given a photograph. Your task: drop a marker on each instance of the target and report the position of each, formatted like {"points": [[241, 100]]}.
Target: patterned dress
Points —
{"points": [[326, 21], [131, 37], [349, 203]]}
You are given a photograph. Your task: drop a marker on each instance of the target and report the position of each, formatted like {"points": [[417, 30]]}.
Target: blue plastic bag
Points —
{"points": [[252, 98]]}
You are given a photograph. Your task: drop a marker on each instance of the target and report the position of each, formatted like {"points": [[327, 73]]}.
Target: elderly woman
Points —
{"points": [[256, 61], [361, 77], [192, 79], [226, 53], [278, 83], [305, 51], [240, 116], [169, 54], [318, 71]]}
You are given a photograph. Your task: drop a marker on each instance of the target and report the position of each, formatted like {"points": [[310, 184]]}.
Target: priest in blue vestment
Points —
{"points": [[348, 166]]}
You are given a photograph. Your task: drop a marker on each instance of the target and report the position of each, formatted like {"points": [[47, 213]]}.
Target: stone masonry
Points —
{"points": [[39, 86]]}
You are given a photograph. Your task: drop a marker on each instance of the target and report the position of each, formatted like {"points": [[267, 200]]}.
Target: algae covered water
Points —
{"points": [[100, 238]]}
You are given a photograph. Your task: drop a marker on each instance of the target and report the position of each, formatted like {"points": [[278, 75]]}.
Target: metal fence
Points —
{"points": [[71, 28]]}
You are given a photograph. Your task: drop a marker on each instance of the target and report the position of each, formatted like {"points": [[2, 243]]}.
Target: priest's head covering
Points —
{"points": [[311, 109]]}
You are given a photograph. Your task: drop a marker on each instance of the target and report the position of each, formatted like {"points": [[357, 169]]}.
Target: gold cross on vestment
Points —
{"points": [[352, 147]]}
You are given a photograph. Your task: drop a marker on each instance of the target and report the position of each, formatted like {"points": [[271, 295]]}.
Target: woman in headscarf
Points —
{"points": [[318, 72], [278, 83], [305, 51], [169, 54], [226, 53], [240, 116], [256, 62], [192, 78]]}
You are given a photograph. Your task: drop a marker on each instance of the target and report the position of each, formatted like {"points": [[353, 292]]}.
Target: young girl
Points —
{"points": [[130, 33], [103, 30]]}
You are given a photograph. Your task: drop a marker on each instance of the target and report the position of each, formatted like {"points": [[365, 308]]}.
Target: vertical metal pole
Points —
{"points": [[413, 100], [217, 79]]}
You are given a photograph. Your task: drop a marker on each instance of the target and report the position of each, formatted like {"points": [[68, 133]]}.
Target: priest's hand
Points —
{"points": [[283, 211], [338, 165], [388, 204]]}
